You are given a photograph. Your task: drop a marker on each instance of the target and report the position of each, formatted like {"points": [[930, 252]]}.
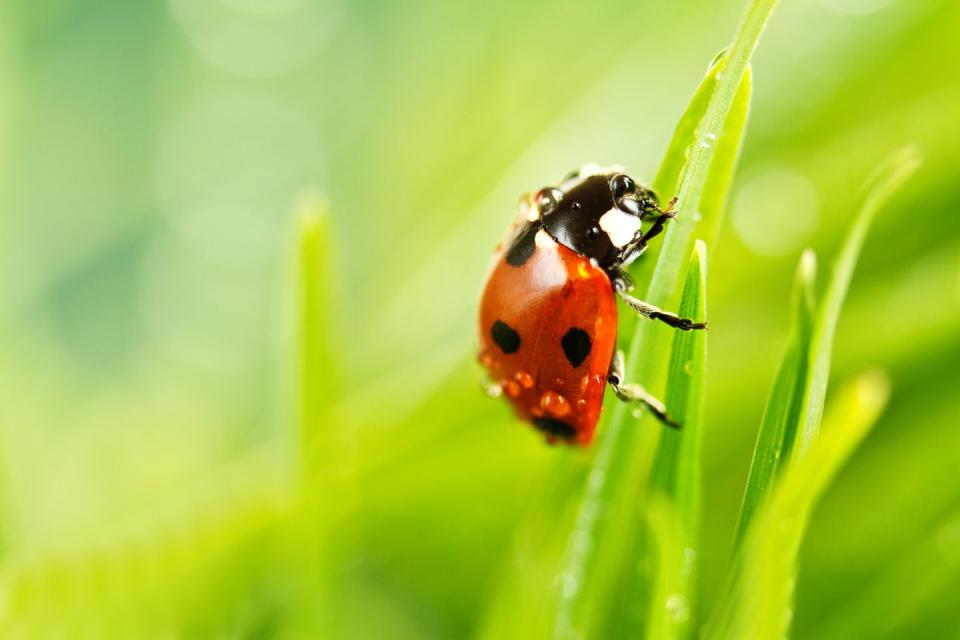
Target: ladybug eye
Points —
{"points": [[548, 199], [621, 184]]}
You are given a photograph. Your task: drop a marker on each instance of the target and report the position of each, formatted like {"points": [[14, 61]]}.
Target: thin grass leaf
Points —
{"points": [[312, 538], [670, 614], [758, 604], [880, 186], [317, 379], [615, 477], [759, 600], [781, 416], [676, 471]]}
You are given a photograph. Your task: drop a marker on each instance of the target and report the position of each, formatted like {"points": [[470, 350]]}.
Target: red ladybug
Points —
{"points": [[548, 314]]}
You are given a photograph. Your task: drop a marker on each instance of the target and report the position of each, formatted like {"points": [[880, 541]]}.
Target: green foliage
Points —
{"points": [[781, 416], [759, 601], [208, 429], [676, 476], [890, 176]]}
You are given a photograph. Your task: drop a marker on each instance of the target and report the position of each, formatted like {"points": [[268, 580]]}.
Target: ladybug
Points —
{"points": [[548, 314]]}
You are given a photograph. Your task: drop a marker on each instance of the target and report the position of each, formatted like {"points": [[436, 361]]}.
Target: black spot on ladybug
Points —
{"points": [[555, 427], [506, 338], [523, 247], [576, 346]]}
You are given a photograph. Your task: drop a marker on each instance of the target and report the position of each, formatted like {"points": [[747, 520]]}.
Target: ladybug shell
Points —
{"points": [[547, 332]]}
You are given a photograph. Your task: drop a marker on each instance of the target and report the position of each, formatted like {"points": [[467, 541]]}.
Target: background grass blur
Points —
{"points": [[153, 159]]}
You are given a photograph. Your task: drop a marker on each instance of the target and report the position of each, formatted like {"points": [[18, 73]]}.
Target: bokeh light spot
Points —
{"points": [[775, 211]]}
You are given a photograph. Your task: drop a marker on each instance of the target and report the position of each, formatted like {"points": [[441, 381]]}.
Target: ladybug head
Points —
{"points": [[597, 214]]}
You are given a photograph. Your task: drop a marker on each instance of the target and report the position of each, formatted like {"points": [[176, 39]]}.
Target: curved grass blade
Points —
{"points": [[758, 604], [759, 599], [675, 479], [880, 186], [781, 416], [595, 552]]}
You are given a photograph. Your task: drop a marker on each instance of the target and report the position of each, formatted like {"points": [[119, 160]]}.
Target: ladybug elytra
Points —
{"points": [[548, 315]]}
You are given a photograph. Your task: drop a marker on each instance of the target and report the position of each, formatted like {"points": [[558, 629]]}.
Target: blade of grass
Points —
{"points": [[781, 416], [758, 603], [317, 379], [676, 470], [614, 478], [325, 467], [765, 561], [670, 614], [880, 186]]}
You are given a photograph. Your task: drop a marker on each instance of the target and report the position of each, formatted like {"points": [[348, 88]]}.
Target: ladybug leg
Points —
{"points": [[622, 282], [632, 392], [659, 221], [655, 313]]}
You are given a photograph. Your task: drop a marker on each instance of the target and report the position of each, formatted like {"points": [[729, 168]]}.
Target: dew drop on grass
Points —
{"points": [[595, 479], [678, 608], [570, 584], [688, 367]]}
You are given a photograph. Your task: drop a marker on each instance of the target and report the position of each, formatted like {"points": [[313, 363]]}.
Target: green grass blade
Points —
{"points": [[615, 477], [728, 145], [671, 611], [882, 184], [781, 416], [317, 379], [676, 471], [676, 468], [667, 179], [758, 603], [311, 538]]}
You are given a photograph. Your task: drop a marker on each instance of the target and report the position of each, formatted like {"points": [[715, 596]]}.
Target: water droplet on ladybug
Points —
{"points": [[524, 379], [593, 233], [510, 388], [554, 404], [486, 359], [548, 199]]}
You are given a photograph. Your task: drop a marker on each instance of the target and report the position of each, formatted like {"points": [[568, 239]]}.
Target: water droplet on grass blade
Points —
{"points": [[678, 607]]}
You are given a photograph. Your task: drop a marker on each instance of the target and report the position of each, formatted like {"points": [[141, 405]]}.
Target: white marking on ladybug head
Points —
{"points": [[620, 227], [544, 241]]}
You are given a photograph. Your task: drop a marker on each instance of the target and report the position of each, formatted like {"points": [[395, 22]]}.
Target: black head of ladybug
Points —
{"points": [[597, 214]]}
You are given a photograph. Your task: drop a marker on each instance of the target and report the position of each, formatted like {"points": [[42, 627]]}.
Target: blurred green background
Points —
{"points": [[153, 159]]}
